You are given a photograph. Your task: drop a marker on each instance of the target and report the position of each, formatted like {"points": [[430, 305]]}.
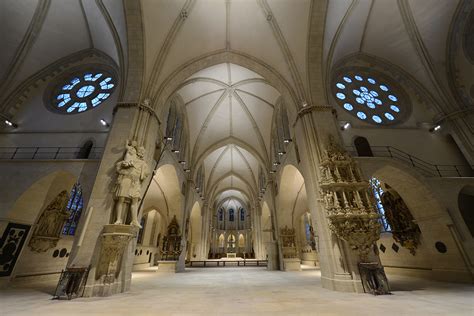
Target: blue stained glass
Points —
{"points": [[73, 107], [62, 96], [372, 81], [393, 98], [340, 86], [361, 115], [359, 78], [360, 100], [364, 89], [377, 101], [377, 119], [378, 192], [348, 107], [371, 105], [341, 96], [384, 88], [63, 102], [374, 93], [356, 92], [85, 91], [394, 108], [389, 116], [347, 79], [74, 207]]}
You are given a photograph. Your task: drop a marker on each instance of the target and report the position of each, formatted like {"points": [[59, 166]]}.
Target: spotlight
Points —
{"points": [[287, 140], [176, 151], [281, 153], [104, 122], [346, 126], [187, 170], [304, 104], [276, 163], [272, 171], [168, 138], [183, 162], [10, 123], [435, 128]]}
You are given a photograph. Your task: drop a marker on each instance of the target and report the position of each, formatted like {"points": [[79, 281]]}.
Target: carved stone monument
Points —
{"points": [[291, 261], [132, 171], [47, 231], [349, 203], [404, 229]]}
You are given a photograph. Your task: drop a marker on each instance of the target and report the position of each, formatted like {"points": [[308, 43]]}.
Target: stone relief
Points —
{"points": [[288, 242], [404, 229], [47, 231], [349, 203], [132, 171], [114, 239]]}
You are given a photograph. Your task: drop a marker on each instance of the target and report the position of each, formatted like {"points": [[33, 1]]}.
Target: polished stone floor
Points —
{"points": [[244, 291]]}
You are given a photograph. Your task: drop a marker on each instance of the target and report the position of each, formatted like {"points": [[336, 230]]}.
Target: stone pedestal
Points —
{"points": [[167, 266], [310, 258], [108, 277], [291, 264]]}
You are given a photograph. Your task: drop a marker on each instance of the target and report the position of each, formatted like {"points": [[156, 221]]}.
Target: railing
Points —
{"points": [[28, 153], [426, 167]]}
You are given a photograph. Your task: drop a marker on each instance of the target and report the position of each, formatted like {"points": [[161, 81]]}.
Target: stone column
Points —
{"points": [[185, 223], [104, 247], [314, 126], [206, 224]]}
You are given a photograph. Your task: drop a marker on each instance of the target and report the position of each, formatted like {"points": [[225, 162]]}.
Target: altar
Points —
{"points": [[232, 255]]}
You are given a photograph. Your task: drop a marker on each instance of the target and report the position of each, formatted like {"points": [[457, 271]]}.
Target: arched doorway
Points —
{"points": [[362, 147]]}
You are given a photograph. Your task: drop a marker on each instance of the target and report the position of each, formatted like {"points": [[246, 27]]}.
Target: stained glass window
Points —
{"points": [[74, 207], [370, 99], [242, 214], [221, 215], [231, 215], [378, 192], [83, 93]]}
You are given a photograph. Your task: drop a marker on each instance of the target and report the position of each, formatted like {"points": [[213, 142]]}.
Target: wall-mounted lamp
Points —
{"points": [[281, 153], [272, 171], [10, 123], [168, 138], [435, 128], [287, 140], [183, 162], [346, 125], [187, 170], [276, 163], [176, 151], [104, 123]]}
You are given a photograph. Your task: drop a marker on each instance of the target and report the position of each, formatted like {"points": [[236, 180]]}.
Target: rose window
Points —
{"points": [[369, 99], [83, 93]]}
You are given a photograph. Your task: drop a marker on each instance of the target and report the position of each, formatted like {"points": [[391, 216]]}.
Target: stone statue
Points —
{"points": [[49, 226], [132, 171]]}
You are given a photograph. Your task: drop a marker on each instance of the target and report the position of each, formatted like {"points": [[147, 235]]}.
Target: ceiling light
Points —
{"points": [[287, 140], [104, 122]]}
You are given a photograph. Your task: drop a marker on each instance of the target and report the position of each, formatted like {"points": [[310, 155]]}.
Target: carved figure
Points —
{"points": [[132, 171], [48, 228]]}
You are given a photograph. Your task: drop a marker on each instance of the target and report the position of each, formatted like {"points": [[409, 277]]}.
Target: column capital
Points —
{"points": [[141, 106], [314, 108]]}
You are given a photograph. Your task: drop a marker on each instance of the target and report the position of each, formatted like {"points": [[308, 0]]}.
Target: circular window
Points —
{"points": [[371, 97], [82, 92]]}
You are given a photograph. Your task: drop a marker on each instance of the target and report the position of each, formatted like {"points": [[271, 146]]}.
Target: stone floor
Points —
{"points": [[244, 291]]}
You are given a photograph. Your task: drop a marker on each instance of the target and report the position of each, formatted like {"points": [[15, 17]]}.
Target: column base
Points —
{"points": [[342, 283]]}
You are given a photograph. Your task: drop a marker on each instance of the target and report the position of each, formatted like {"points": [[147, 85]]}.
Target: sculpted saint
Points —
{"points": [[132, 170]]}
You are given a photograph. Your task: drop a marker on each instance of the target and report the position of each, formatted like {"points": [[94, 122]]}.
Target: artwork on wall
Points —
{"points": [[11, 244], [50, 224]]}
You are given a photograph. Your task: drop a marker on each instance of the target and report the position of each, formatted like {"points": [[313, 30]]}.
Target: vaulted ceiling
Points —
{"points": [[229, 107]]}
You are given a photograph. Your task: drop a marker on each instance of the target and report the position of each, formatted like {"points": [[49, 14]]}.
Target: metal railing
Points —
{"points": [[426, 167], [12, 153]]}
